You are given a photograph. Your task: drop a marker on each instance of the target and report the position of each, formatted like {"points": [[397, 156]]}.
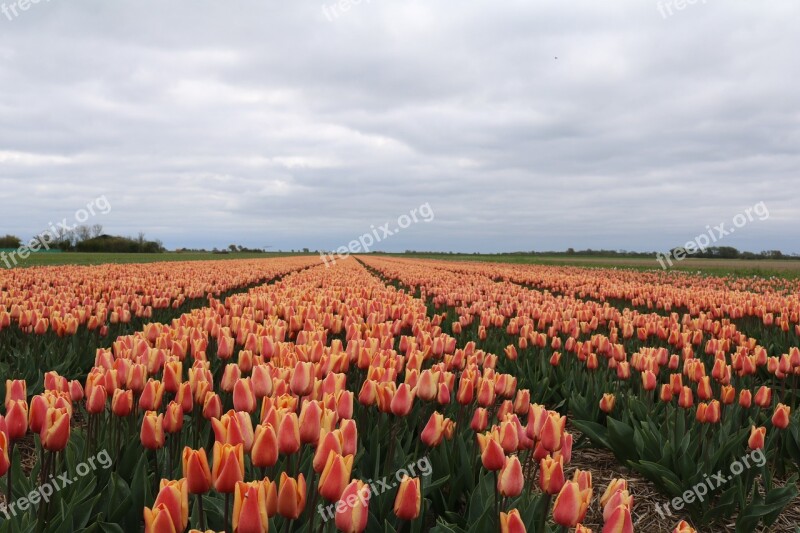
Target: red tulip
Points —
{"points": [[196, 470], [353, 518]]}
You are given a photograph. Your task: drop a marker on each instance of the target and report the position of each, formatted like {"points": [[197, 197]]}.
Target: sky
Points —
{"points": [[514, 125]]}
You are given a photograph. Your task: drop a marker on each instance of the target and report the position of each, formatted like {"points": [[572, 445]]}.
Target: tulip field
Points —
{"points": [[389, 394]]}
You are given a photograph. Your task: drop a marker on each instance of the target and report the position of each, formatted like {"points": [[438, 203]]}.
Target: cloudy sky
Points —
{"points": [[298, 123]]}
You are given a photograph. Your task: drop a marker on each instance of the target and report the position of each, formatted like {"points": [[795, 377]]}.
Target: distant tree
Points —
{"points": [[570, 251], [97, 230], [233, 248], [83, 233], [10, 241], [305, 250]]}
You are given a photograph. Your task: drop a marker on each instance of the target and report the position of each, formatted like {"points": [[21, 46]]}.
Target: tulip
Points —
{"points": [[353, 518], [551, 432], [349, 436], [666, 393], [492, 455], [466, 391], [234, 427], [764, 396], [330, 442], [244, 397], [433, 433], [614, 486], [265, 446], [619, 521], [122, 402], [250, 508], [75, 390], [291, 496], [649, 380], [310, 422], [302, 381], [5, 462], [620, 497], [511, 522], [173, 418], [96, 399], [409, 499], [684, 527], [152, 433], [686, 400], [607, 402], [228, 467], [16, 389], [510, 480], [780, 419], [745, 398], [174, 496], [55, 431], [185, 397], [567, 507], [158, 520], [480, 419], [38, 409], [335, 476], [551, 475], [16, 419], [150, 400], [196, 470], [756, 440], [173, 370], [289, 434], [402, 401], [212, 406]]}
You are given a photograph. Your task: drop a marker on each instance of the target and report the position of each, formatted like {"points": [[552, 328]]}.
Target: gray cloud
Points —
{"points": [[209, 122]]}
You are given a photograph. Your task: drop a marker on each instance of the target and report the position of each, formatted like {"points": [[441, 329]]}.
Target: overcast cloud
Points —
{"points": [[524, 124]]}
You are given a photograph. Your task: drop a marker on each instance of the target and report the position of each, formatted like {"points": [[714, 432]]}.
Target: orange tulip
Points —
{"points": [[511, 522], [310, 422], [234, 427], [408, 500], [330, 442], [745, 398], [16, 389], [551, 475], [150, 400], [756, 440], [649, 380], [250, 508], [228, 467], [567, 507], [433, 433], [492, 455], [335, 476], [403, 400], [764, 396], [480, 419], [619, 521], [173, 418], [352, 518], [152, 433], [158, 520], [684, 527], [55, 431], [607, 402], [174, 496], [5, 463], [173, 370], [291, 496], [302, 382], [349, 436], [244, 397], [212, 406], [265, 446], [96, 399], [686, 400], [510, 480], [289, 434], [552, 429], [666, 393], [780, 419], [122, 402], [196, 470]]}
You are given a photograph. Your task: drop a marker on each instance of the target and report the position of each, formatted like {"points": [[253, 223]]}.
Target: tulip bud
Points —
{"points": [[265, 446], [196, 470], [250, 507], [228, 466], [408, 500], [291, 496], [152, 433], [780, 419], [55, 431], [510, 480], [353, 518]]}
